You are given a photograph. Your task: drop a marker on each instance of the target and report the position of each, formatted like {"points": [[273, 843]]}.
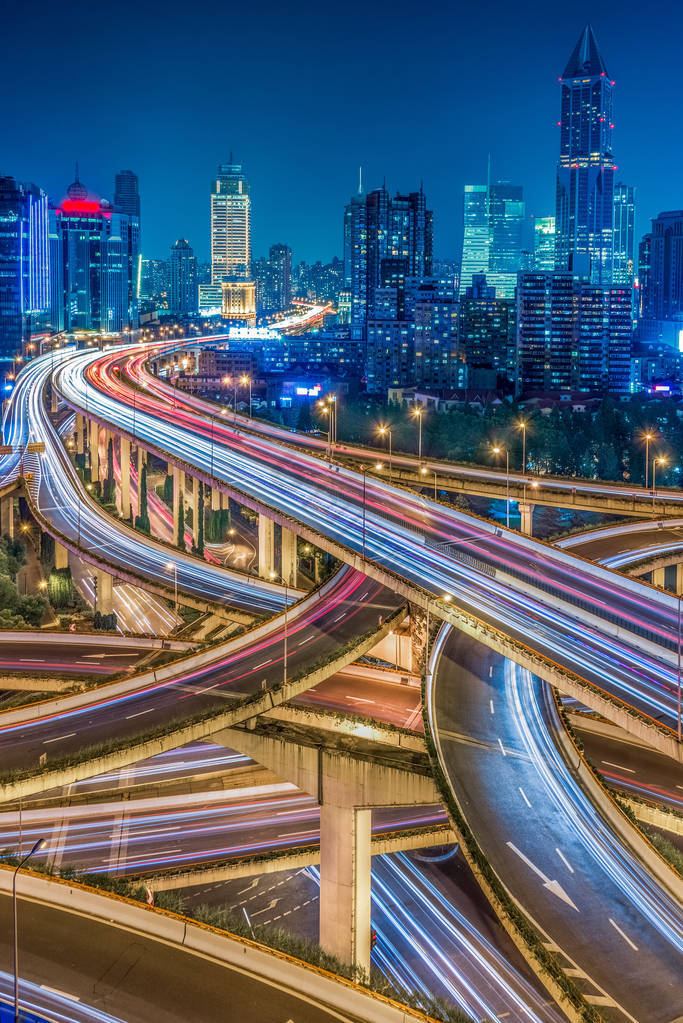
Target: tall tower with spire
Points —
{"points": [[585, 171]]}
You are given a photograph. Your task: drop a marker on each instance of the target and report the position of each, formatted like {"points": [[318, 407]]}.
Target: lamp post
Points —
{"points": [[172, 566], [385, 431], [497, 451], [648, 437], [423, 472], [325, 411], [227, 381], [364, 471], [274, 576], [522, 427], [662, 461], [247, 380], [417, 414], [40, 844]]}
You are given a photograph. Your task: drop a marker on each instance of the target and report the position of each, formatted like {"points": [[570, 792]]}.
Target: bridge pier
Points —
{"points": [[61, 556], [345, 871], [659, 578], [124, 484], [288, 556], [7, 515], [526, 511], [178, 496], [266, 546], [104, 602], [195, 511], [215, 499], [94, 448], [79, 434]]}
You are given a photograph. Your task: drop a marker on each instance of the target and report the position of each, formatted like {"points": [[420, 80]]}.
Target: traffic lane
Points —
{"points": [[349, 608], [368, 696], [532, 842], [606, 547], [67, 655], [137, 978], [634, 769]]}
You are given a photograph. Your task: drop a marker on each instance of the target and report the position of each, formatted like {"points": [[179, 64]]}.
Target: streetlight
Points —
{"points": [[423, 472], [386, 431], [172, 566], [522, 426], [497, 450], [417, 414], [247, 380], [40, 844], [365, 469], [647, 438], [274, 576], [325, 411], [662, 461]]}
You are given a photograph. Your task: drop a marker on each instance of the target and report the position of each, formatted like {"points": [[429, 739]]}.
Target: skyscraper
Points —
{"points": [[24, 266], [623, 270], [487, 332], [476, 234], [584, 218], [544, 243], [661, 279], [493, 218], [279, 277], [183, 273], [231, 284], [127, 200], [127, 193]]}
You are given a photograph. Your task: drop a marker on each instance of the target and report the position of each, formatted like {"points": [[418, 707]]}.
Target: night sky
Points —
{"points": [[305, 93]]}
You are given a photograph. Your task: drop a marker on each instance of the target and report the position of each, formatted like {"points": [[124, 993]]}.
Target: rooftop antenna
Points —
{"points": [[360, 180]]}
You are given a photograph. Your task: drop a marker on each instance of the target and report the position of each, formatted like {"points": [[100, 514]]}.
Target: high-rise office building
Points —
{"points": [[623, 268], [184, 294], [24, 263], [386, 241], [487, 332], [89, 251], [584, 217], [572, 335], [544, 244], [279, 278], [493, 218], [232, 287], [127, 200]]}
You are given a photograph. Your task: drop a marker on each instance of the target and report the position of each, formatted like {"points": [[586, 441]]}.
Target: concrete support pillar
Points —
{"points": [[105, 593], [105, 437], [345, 861], [79, 434], [7, 516], [195, 511], [526, 512], [215, 499], [53, 400], [141, 462], [94, 445], [225, 502], [266, 546], [124, 488], [659, 577], [679, 579], [289, 561], [61, 556], [178, 496]]}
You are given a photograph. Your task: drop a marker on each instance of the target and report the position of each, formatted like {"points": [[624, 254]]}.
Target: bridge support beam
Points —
{"points": [[679, 579], [94, 447], [7, 516], [61, 556], [215, 499], [124, 486], [105, 593], [659, 578], [178, 496], [288, 556], [345, 864], [526, 511], [195, 511], [266, 546], [79, 434]]}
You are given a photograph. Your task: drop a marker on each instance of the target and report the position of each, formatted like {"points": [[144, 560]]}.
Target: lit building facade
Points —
{"points": [[488, 330], [476, 234], [184, 293], [584, 213], [544, 244], [232, 286], [623, 262], [493, 219], [661, 279], [24, 263], [127, 201]]}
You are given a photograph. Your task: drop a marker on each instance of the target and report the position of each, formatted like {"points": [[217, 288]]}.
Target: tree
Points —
{"points": [[200, 524], [142, 518], [180, 539]]}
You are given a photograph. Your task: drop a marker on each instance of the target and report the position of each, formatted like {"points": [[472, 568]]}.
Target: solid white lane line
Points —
{"points": [[491, 706], [58, 737], [262, 664], [491, 671], [502, 748], [564, 859], [624, 936], [524, 797], [619, 767], [139, 713], [359, 699]]}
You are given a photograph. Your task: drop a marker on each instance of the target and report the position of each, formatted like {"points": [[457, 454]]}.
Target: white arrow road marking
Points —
{"points": [[553, 886]]}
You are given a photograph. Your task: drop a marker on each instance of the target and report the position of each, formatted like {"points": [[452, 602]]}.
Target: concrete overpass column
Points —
{"points": [[53, 399], [195, 511], [94, 446], [124, 488], [178, 496], [7, 516], [141, 462], [526, 512], [105, 436], [61, 556], [105, 593], [266, 546], [215, 499], [345, 861], [679, 579], [289, 560], [659, 578], [79, 433]]}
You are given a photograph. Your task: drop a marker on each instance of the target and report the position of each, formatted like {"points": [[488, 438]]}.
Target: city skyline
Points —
{"points": [[176, 159]]}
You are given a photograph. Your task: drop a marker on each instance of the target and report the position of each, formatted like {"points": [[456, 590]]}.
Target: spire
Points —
{"points": [[586, 59], [360, 180]]}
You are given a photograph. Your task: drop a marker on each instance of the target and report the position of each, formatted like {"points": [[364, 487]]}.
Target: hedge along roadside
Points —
{"points": [[516, 924], [89, 762], [348, 998]]}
